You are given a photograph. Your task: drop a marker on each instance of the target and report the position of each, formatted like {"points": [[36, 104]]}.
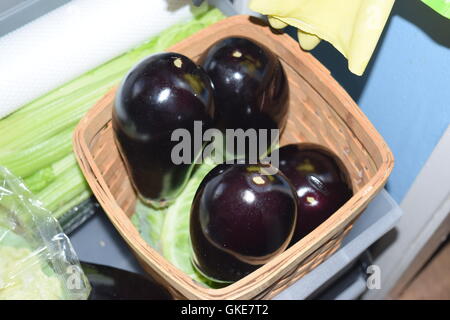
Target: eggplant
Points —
{"points": [[241, 217], [110, 283], [250, 87], [164, 92], [321, 182]]}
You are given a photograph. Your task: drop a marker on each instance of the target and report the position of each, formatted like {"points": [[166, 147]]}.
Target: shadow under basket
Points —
{"points": [[321, 112]]}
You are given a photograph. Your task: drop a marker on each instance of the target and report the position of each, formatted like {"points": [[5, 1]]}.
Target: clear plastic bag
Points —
{"points": [[37, 260]]}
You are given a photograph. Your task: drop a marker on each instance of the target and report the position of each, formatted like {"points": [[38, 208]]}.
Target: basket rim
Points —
{"points": [[264, 276]]}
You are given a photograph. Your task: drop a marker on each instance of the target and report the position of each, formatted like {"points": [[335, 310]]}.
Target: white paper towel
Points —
{"points": [[75, 38]]}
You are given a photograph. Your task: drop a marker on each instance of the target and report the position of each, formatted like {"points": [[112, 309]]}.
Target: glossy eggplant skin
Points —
{"points": [[320, 182], [250, 85], [166, 91], [240, 219], [110, 283]]}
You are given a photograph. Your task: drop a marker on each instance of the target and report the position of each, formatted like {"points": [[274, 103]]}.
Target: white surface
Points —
{"points": [[75, 38], [17, 13], [426, 206]]}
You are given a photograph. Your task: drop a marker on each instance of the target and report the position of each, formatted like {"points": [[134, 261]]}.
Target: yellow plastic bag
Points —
{"points": [[352, 26]]}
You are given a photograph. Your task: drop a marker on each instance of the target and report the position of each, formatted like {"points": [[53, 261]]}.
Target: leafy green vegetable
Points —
{"points": [[149, 222], [36, 140], [440, 6], [167, 230], [175, 242], [11, 239]]}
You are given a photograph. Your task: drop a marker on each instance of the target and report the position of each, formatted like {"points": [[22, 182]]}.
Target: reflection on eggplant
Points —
{"points": [[250, 86], [322, 184], [163, 93], [240, 219]]}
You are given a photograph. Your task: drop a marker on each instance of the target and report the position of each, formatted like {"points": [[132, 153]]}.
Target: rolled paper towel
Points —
{"points": [[352, 26], [75, 38]]}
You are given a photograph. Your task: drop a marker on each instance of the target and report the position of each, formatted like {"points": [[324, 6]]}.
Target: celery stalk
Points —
{"points": [[40, 179], [64, 114], [40, 156], [63, 189], [84, 195]]}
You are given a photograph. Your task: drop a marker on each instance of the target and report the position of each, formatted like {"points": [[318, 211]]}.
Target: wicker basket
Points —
{"points": [[320, 112]]}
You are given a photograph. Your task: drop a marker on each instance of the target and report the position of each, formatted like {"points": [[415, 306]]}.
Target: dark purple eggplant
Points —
{"points": [[250, 86], [240, 219], [110, 283], [165, 92], [321, 183]]}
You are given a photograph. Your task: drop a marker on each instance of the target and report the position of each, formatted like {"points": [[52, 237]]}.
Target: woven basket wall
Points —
{"points": [[321, 112]]}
